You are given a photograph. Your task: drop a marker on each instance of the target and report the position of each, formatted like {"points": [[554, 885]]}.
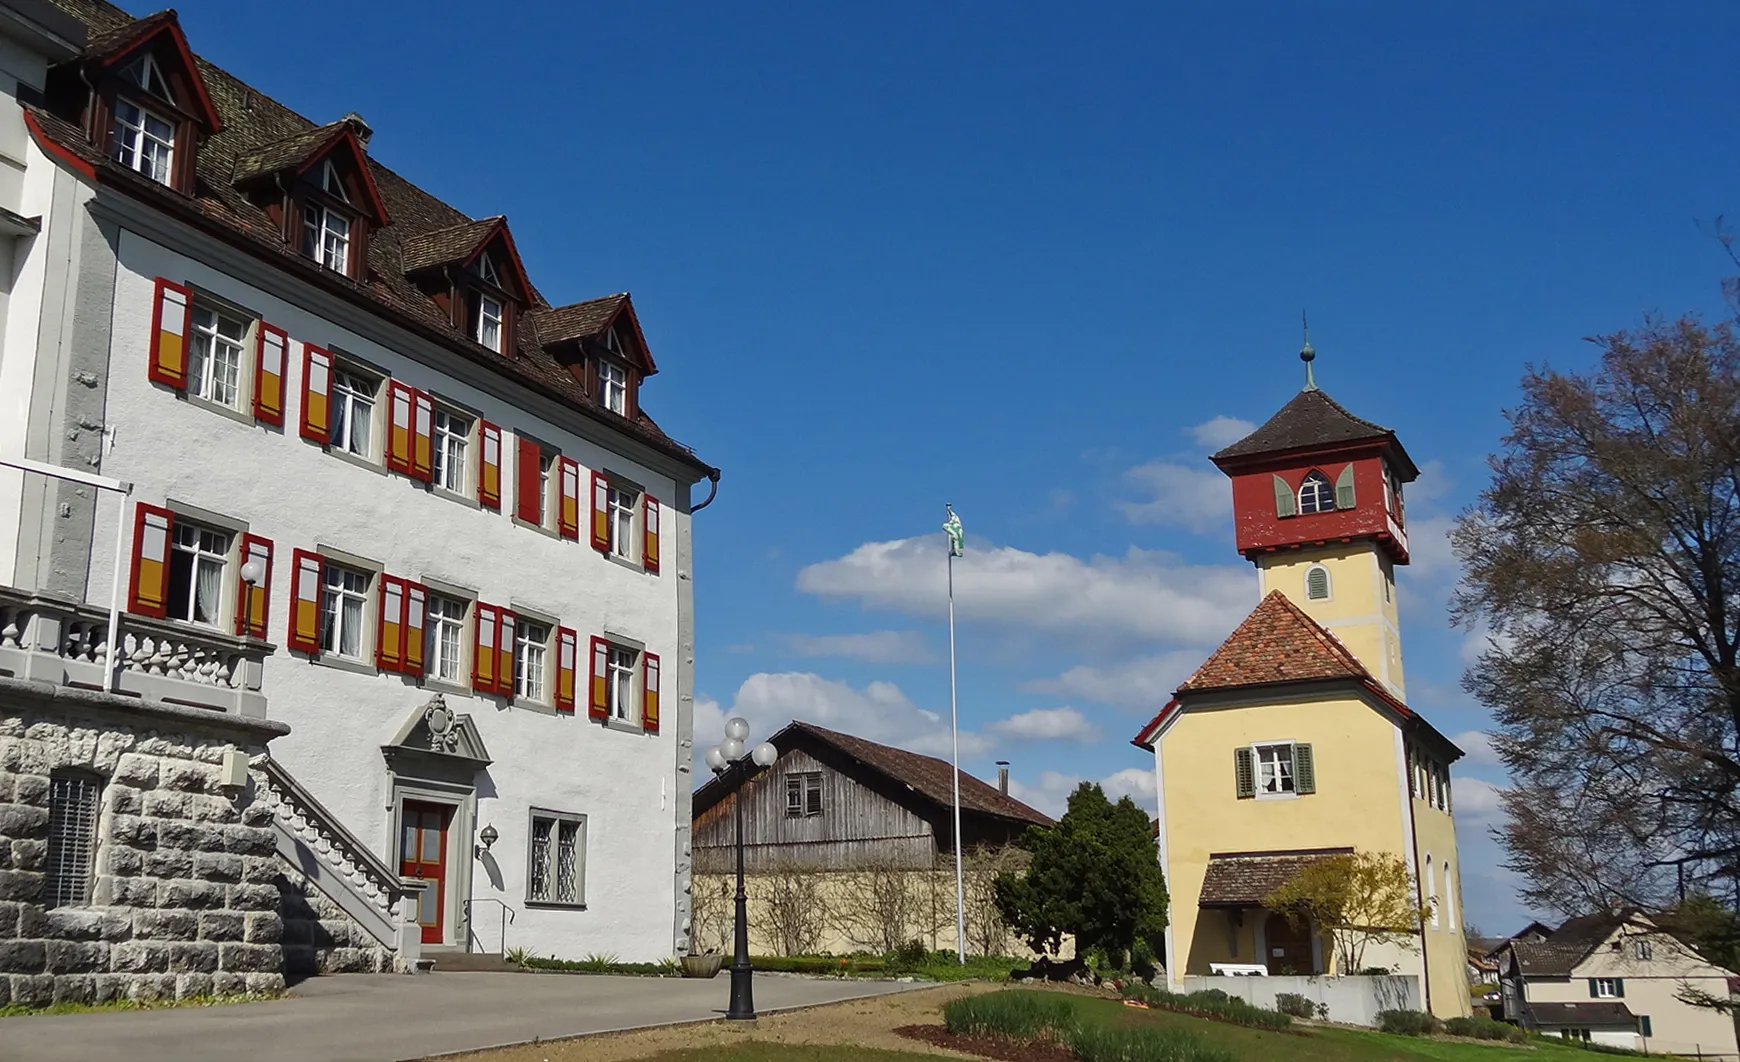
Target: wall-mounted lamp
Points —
{"points": [[488, 836]]}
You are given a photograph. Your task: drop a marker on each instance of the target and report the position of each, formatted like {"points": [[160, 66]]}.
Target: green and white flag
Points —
{"points": [[957, 535]]}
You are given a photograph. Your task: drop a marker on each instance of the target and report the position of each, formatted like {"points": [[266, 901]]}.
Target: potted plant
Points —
{"points": [[702, 966]]}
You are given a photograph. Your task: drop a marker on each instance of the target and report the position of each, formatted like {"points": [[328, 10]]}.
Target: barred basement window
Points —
{"points": [[74, 798], [557, 859]]}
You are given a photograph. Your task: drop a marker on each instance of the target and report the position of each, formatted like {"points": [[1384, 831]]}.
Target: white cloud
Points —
{"points": [[1431, 560], [1220, 432], [1477, 800], [876, 647], [1047, 724], [1198, 499], [1477, 745], [1050, 793], [879, 712], [1433, 485], [1143, 595], [1143, 684]]}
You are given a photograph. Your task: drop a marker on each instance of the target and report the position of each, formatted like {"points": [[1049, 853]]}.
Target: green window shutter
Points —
{"points": [[1592, 989], [1344, 488], [1285, 503], [1304, 770], [1619, 987], [1244, 773], [1643, 1026], [1317, 584]]}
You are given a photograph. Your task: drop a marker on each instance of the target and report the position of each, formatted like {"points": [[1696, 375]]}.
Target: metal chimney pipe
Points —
{"points": [[1003, 777]]}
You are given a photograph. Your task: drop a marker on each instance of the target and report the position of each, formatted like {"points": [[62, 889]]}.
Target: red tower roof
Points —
{"points": [[1314, 421]]}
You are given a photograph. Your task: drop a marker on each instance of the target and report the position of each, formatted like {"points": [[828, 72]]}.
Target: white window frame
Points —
{"points": [[558, 820], [203, 557], [332, 184], [532, 661], [623, 504], [1606, 988], [1322, 500], [438, 624], [219, 349], [612, 386], [326, 236], [136, 145], [353, 390], [622, 671], [331, 632], [450, 450], [490, 312], [1431, 891], [1642, 950], [1257, 749]]}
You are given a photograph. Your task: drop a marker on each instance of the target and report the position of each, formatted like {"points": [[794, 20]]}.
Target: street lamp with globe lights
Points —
{"points": [[719, 759]]}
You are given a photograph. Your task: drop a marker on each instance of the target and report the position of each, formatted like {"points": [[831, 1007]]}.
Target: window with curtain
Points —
{"points": [[343, 605], [197, 560]]}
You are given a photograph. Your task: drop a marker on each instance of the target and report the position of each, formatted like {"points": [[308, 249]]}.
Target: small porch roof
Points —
{"points": [[1244, 879], [1583, 1015]]}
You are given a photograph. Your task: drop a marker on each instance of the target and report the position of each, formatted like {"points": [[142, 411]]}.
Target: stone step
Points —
{"points": [[467, 962]]}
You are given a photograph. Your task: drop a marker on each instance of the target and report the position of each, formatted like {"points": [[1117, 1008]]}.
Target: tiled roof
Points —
{"points": [[292, 150], [1277, 642], [929, 776], [1245, 879], [1311, 419], [255, 125], [446, 245], [1561, 1015], [580, 321], [1549, 958]]}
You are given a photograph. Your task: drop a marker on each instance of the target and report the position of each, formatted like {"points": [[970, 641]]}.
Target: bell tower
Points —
{"points": [[1317, 507]]}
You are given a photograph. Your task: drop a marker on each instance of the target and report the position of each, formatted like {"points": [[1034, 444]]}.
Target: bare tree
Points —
{"points": [[1359, 899], [794, 907], [710, 913], [886, 908], [987, 933], [1604, 561]]}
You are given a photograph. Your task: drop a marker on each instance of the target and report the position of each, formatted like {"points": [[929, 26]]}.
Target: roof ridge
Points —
{"points": [[1246, 643]]}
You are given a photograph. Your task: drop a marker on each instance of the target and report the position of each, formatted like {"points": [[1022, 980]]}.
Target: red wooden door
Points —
{"points": [[423, 854]]}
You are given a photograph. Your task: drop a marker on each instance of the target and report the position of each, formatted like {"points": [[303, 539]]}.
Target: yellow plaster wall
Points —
{"points": [[1361, 608], [1356, 804], [1446, 948]]}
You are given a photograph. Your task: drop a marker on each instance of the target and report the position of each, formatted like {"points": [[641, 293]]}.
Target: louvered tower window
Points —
{"points": [[74, 799]]}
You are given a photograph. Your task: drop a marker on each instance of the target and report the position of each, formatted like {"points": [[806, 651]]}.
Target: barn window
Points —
{"points": [[803, 794], [73, 800]]}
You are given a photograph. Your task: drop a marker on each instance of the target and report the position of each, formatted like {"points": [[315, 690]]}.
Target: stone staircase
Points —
{"points": [[456, 960]]}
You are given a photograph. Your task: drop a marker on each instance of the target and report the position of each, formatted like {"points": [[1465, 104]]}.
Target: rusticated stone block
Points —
{"points": [[166, 925], [23, 820], [265, 928], [338, 932], [194, 895], [167, 804], [258, 816], [202, 808], [137, 771], [217, 866], [249, 958], [348, 960], [252, 898], [250, 841], [169, 863], [32, 990], [166, 746], [29, 855], [228, 984], [117, 923], [189, 776], [190, 985], [133, 830], [127, 892], [106, 987], [266, 983], [139, 956], [30, 789], [124, 801], [73, 923], [23, 885], [23, 956], [9, 920], [210, 838], [122, 862], [151, 986], [221, 925], [76, 956], [261, 870], [75, 988], [301, 960], [197, 957], [177, 834]]}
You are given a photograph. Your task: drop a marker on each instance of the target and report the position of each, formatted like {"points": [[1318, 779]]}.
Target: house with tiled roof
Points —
{"points": [[299, 456], [866, 830], [1619, 979], [1294, 742]]}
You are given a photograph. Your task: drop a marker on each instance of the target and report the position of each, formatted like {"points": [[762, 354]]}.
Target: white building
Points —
{"points": [[473, 601]]}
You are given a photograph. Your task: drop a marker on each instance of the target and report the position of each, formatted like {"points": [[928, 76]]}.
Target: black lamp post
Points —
{"points": [[721, 758]]}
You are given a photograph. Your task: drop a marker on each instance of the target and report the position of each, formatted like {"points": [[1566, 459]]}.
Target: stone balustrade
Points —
{"points": [[52, 639]]}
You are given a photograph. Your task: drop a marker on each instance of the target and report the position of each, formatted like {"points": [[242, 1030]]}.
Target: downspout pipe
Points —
{"points": [[712, 492]]}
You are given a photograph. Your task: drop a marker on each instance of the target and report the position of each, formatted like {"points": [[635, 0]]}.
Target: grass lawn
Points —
{"points": [[788, 1053]]}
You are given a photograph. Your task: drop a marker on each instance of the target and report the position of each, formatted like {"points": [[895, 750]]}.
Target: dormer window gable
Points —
{"points": [[474, 271], [602, 346], [319, 187], [146, 101]]}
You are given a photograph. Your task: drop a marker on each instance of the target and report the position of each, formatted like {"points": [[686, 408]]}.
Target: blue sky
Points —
{"points": [[1023, 260]]}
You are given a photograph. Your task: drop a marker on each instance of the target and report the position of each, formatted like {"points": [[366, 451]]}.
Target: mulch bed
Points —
{"points": [[989, 1046]]}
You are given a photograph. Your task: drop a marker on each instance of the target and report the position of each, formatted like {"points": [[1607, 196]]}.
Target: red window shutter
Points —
{"points": [[600, 512], [489, 469], [423, 438], [504, 648], [598, 700], [528, 482], [416, 609], [649, 551], [252, 602], [649, 694], [271, 352], [148, 586], [390, 625], [568, 517], [316, 394], [171, 323], [567, 648], [486, 626], [307, 570], [400, 399]]}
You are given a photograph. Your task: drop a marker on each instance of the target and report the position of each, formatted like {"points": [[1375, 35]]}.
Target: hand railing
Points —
{"points": [[507, 917]]}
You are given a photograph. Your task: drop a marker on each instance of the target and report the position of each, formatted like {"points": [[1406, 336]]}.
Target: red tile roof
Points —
{"points": [[1245, 879], [1277, 642]]}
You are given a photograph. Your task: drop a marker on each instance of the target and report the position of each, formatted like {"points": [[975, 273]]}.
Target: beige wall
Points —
{"points": [[1440, 877], [1651, 986], [1361, 608]]}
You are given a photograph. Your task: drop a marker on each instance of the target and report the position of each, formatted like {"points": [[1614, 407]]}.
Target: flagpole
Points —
{"points": [[955, 727]]}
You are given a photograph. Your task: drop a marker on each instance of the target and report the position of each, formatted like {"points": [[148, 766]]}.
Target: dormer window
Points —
{"points": [[143, 141], [326, 237], [612, 386], [489, 315], [486, 271], [331, 184]]}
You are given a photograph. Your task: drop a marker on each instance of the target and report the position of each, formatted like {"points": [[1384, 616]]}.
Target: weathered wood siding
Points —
{"points": [[858, 828]]}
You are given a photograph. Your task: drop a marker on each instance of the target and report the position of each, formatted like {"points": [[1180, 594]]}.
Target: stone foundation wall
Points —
{"points": [[319, 937], [184, 894]]}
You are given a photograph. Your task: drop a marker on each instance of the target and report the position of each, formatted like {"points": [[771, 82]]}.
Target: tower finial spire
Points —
{"points": [[1306, 353]]}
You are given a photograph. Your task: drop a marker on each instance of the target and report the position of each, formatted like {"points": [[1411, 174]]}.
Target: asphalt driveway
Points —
{"points": [[387, 1018]]}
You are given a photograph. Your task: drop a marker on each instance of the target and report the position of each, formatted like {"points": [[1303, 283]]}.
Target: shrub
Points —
{"points": [[1407, 1022], [912, 953], [1014, 1015], [1483, 1028], [1126, 1043], [1210, 1003], [1294, 1004]]}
